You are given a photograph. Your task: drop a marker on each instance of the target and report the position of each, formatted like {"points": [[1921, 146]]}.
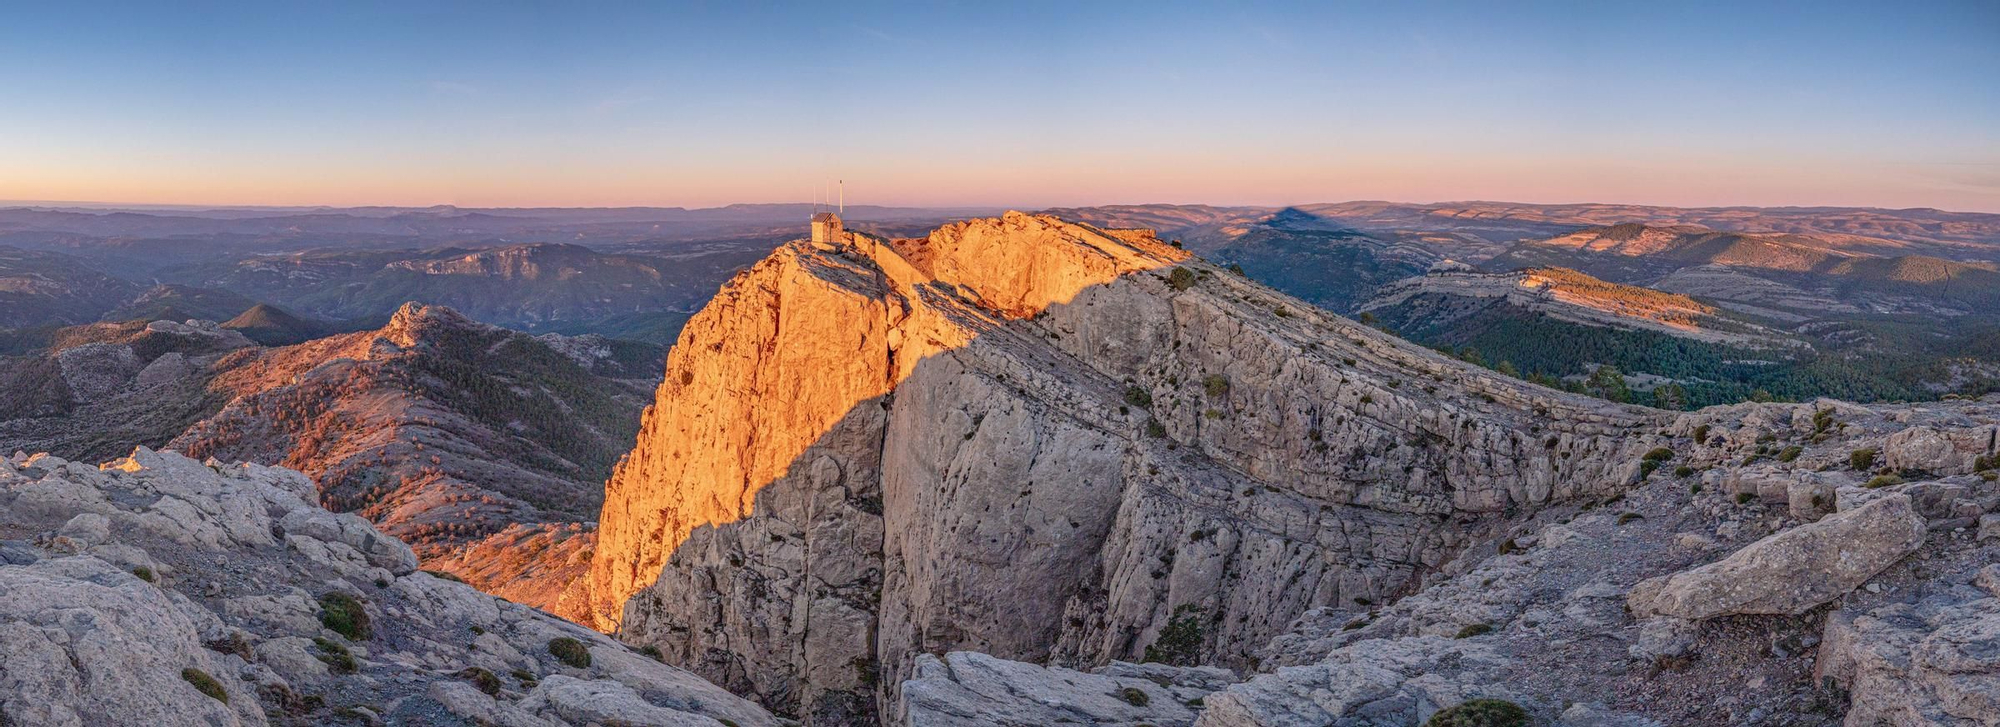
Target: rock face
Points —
{"points": [[1045, 442], [1840, 552], [158, 590]]}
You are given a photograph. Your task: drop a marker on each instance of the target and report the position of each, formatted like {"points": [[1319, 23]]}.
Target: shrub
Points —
{"points": [[453, 577], [570, 651], [1138, 396], [1701, 434], [1694, 488], [1646, 467], [1134, 696], [1215, 384], [1744, 498], [1659, 454], [1790, 453], [1474, 630], [144, 573], [482, 679], [335, 656], [343, 614], [1181, 278], [1155, 429], [1481, 713], [526, 678], [1861, 459], [1683, 471], [1626, 517], [1282, 313], [1179, 643], [1883, 481], [205, 684]]}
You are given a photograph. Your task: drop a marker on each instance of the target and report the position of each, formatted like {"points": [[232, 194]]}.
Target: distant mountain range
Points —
{"points": [[440, 429]]}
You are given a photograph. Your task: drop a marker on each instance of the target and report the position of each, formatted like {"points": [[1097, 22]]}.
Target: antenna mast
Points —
{"points": [[843, 195]]}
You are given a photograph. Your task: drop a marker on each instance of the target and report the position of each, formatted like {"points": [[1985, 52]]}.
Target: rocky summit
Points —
{"points": [[1056, 443], [1027, 471]]}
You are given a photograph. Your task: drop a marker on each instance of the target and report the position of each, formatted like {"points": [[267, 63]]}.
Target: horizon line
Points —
{"points": [[65, 205]]}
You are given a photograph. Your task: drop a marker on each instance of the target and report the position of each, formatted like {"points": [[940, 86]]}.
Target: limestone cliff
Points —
{"points": [[1048, 442]]}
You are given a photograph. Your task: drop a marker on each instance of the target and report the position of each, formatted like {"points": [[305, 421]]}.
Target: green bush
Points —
{"points": [[1883, 481], [1179, 643], [1481, 713], [343, 614], [1181, 278], [144, 573], [1134, 696], [1659, 454], [482, 679], [1701, 434], [1215, 384], [1474, 630], [570, 651], [1646, 467], [205, 684], [336, 657], [1138, 396], [1626, 517], [1861, 459], [1744, 498], [1155, 429], [1683, 471], [1790, 453]]}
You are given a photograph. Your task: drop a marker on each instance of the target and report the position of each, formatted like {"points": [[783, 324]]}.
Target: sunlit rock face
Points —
{"points": [[1046, 441]]}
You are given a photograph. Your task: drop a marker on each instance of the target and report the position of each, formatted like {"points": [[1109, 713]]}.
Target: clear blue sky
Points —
{"points": [[1889, 104]]}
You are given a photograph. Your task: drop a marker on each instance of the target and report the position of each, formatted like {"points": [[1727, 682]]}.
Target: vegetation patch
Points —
{"points": [[1744, 498], [1138, 396], [570, 651], [205, 684], [1481, 713], [482, 679], [1861, 459], [1181, 278], [1474, 630], [1134, 696], [1215, 384], [1883, 481], [343, 614], [144, 573], [1790, 453], [335, 656], [1179, 643]]}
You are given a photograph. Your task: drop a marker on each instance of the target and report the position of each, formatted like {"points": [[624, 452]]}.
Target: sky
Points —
{"points": [[1002, 103]]}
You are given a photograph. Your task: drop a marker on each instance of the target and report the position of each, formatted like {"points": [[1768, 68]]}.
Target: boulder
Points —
{"points": [[964, 689], [381, 551], [1792, 571]]}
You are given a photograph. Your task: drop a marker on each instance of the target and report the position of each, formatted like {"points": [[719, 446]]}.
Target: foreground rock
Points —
{"points": [[158, 590], [1793, 571], [967, 689]]}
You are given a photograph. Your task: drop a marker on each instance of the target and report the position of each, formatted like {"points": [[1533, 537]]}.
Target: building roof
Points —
{"points": [[826, 217]]}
